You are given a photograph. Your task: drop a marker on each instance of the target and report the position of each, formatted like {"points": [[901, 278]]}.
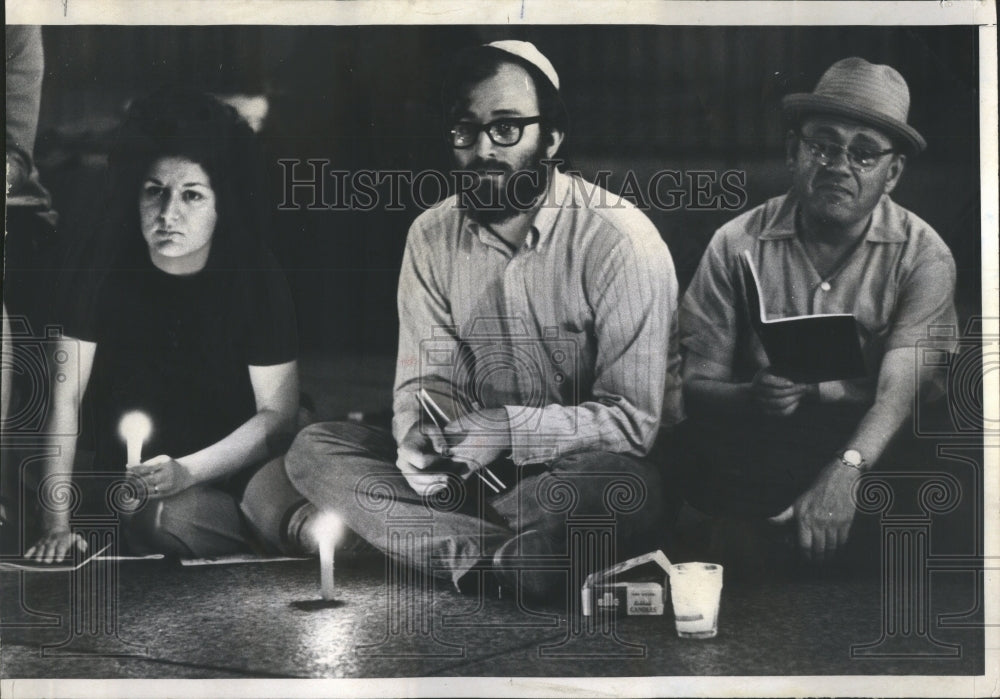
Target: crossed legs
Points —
{"points": [[350, 468]]}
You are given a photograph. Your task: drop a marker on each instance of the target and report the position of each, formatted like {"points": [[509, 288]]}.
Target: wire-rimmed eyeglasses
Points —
{"points": [[825, 152]]}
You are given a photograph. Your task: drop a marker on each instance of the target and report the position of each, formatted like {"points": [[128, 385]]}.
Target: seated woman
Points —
{"points": [[186, 317]]}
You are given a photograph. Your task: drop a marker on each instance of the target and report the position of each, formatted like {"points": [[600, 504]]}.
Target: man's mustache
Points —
{"points": [[483, 167]]}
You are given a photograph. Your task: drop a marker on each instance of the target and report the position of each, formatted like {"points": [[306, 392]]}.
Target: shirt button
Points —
{"points": [[825, 286]]}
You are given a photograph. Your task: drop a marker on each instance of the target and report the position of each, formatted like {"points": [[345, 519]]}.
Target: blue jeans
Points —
{"points": [[350, 468]]}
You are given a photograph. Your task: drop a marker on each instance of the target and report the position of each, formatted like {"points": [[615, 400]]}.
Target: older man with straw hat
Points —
{"points": [[766, 450]]}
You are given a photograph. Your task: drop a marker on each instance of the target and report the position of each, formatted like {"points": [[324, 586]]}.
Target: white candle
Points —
{"points": [[134, 429], [326, 546], [327, 530]]}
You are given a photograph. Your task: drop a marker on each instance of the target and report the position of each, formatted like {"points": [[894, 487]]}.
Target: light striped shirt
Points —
{"points": [[574, 334]]}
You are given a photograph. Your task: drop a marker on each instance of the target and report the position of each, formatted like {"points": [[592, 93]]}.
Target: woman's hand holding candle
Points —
{"points": [[164, 476]]}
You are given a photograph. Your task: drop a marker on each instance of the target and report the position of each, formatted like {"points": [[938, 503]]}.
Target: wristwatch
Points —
{"points": [[852, 458]]}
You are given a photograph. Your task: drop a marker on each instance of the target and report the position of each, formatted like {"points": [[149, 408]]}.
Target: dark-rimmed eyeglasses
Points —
{"points": [[825, 152], [506, 131]]}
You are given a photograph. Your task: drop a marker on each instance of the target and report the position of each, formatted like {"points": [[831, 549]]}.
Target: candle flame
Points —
{"points": [[135, 426], [328, 526]]}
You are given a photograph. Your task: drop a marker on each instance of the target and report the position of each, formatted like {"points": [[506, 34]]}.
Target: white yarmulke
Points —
{"points": [[527, 51]]}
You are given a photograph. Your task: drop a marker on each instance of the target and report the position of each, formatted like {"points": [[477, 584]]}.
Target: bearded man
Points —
{"points": [[544, 328]]}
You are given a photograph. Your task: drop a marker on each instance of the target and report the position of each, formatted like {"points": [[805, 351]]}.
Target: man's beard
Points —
{"points": [[491, 202]]}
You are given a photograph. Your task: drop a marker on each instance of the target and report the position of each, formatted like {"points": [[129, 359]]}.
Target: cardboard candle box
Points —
{"points": [[633, 587]]}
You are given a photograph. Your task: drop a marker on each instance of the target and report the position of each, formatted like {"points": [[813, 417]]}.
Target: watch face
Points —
{"points": [[853, 457]]}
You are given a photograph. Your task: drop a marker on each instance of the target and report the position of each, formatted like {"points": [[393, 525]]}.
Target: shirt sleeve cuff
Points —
{"points": [[528, 443], [402, 422]]}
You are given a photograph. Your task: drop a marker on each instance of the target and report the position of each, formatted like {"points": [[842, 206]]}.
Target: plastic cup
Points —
{"points": [[695, 589]]}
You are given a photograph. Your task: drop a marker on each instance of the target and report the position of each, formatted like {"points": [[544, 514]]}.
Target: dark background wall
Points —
{"points": [[639, 98]]}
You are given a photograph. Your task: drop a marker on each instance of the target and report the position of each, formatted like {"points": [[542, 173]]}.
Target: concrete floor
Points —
{"points": [[265, 620]]}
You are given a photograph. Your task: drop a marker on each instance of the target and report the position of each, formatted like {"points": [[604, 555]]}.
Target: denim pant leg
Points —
{"points": [[350, 469], [268, 501], [201, 521], [597, 487]]}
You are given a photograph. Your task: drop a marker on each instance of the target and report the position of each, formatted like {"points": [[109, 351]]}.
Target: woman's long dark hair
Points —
{"points": [[174, 122]]}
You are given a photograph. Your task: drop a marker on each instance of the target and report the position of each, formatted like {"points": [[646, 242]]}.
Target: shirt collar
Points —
{"points": [[885, 226], [782, 222], [552, 204]]}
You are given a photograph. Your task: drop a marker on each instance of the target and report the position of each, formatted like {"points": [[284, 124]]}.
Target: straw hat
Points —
{"points": [[872, 94]]}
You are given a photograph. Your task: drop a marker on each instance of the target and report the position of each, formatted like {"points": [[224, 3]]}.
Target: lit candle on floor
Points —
{"points": [[134, 429], [327, 530]]}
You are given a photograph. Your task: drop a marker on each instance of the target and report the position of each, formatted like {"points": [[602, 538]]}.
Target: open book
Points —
{"points": [[804, 349]]}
